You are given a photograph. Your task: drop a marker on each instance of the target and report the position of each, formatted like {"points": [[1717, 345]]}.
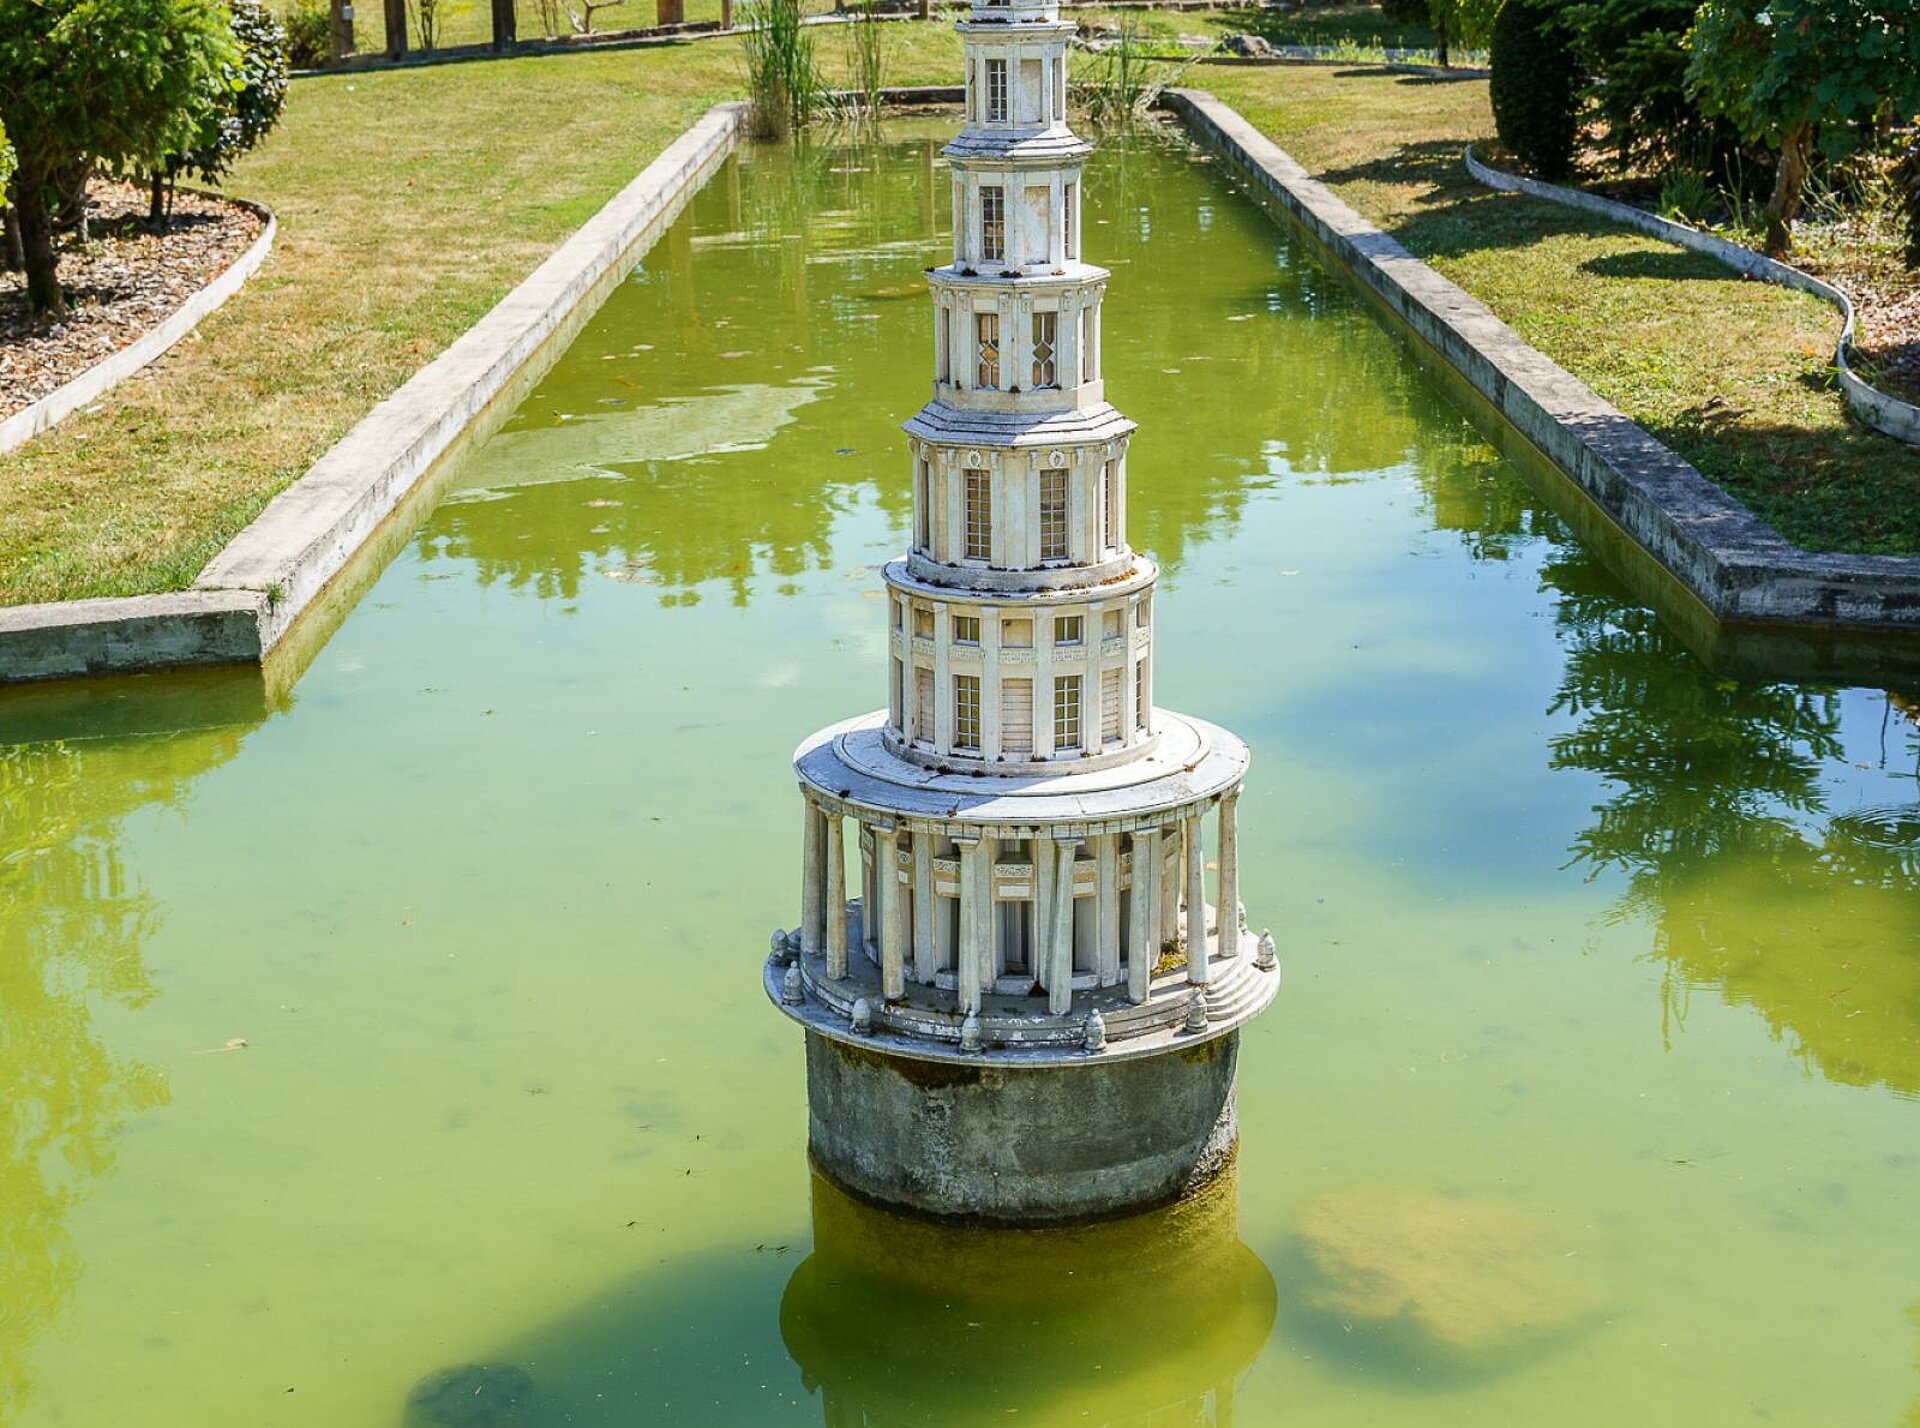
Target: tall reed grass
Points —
{"points": [[784, 88]]}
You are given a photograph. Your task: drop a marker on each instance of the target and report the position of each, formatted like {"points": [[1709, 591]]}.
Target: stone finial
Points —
{"points": [[1093, 1031], [777, 947], [971, 1037], [793, 944], [862, 1016], [1197, 1010], [790, 992], [1264, 958]]}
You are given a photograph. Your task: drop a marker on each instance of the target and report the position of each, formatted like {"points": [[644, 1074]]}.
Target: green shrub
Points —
{"points": [[109, 83], [1687, 196], [1634, 57], [308, 26], [1535, 86], [249, 106]]}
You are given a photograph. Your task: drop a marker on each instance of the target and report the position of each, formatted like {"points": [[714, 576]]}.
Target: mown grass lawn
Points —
{"points": [[410, 201]]}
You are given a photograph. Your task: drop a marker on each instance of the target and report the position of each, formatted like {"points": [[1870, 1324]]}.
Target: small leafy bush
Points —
{"points": [[308, 26], [1687, 196], [1535, 86]]}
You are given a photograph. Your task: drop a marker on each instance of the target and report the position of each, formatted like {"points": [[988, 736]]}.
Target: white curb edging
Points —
{"points": [[248, 596], [1887, 415], [108, 373]]}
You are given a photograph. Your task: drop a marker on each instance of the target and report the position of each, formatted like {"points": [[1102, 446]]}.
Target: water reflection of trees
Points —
{"points": [[1717, 816], [73, 928]]}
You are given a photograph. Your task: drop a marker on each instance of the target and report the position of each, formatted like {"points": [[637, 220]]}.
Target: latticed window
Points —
{"points": [[923, 622], [1067, 630], [1110, 706], [979, 515], [1110, 495], [923, 710], [1053, 515], [1140, 695], [1066, 712], [1142, 613], [1045, 325], [986, 342], [996, 91], [1068, 216], [993, 223], [966, 711], [966, 629]]}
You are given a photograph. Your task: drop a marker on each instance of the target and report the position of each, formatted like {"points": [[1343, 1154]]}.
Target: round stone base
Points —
{"points": [[1012, 1145]]}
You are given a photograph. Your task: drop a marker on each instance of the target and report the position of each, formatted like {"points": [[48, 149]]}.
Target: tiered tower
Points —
{"points": [[1030, 1010]]}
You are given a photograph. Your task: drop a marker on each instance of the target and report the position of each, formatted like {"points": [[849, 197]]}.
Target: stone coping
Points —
{"points": [[103, 376], [251, 593], [1738, 568], [1885, 414]]}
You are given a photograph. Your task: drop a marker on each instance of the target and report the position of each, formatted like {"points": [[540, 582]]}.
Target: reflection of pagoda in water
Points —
{"points": [[1030, 1010], [897, 1321]]}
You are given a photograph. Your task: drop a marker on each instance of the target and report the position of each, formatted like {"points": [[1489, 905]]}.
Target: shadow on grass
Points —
{"points": [[1669, 265], [1843, 488]]}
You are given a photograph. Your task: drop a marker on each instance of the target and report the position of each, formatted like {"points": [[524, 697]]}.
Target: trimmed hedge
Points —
{"points": [[1536, 86]]}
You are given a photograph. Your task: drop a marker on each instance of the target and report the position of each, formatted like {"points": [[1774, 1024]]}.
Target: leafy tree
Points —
{"points": [[1636, 56], [1535, 88], [249, 107], [115, 82], [1793, 73], [1468, 22]]}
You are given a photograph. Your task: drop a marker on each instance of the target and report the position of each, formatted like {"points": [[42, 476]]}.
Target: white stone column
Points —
{"points": [[1060, 982], [1107, 867], [926, 952], [1196, 903], [813, 878], [888, 923], [1143, 945], [1227, 914], [1169, 899], [969, 954], [989, 682], [836, 896], [1043, 880]]}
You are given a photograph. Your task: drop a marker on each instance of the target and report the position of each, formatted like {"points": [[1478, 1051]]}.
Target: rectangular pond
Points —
{"points": [[412, 1020]]}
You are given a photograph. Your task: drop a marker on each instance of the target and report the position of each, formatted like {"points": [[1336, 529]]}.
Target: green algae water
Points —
{"points": [[409, 1020]]}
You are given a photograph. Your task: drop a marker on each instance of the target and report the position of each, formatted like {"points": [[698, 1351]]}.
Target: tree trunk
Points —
{"points": [[1440, 43], [12, 259], [1789, 183], [157, 205], [926, 9], [36, 242]]}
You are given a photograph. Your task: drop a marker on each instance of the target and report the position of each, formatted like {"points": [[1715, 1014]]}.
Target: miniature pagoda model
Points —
{"points": [[1030, 1012]]}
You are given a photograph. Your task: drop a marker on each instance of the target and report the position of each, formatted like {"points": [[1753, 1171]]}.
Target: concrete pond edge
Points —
{"points": [[250, 594], [103, 376], [1886, 414], [1740, 570]]}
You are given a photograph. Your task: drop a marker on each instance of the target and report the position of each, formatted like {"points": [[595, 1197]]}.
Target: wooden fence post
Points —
{"points": [[396, 29], [505, 25]]}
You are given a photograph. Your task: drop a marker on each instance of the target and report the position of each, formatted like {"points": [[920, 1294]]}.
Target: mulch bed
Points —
{"points": [[120, 283]]}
